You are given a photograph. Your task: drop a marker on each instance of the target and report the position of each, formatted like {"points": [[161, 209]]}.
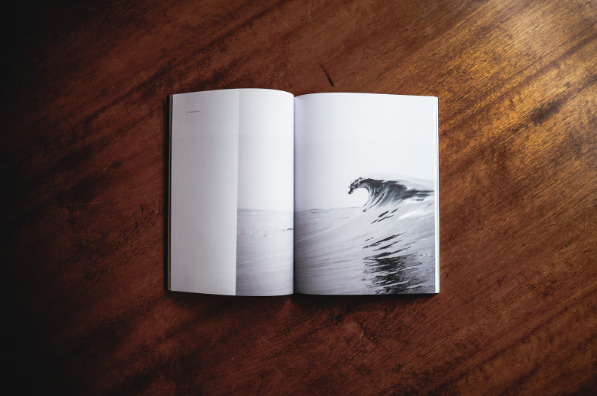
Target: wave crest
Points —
{"points": [[391, 190]]}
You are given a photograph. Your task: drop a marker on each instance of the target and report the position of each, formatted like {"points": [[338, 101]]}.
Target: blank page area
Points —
{"points": [[231, 195]]}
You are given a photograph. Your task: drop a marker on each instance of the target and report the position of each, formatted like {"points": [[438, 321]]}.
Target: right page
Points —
{"points": [[366, 194]]}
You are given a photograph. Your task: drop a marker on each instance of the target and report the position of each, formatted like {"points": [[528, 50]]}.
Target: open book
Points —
{"points": [[331, 193]]}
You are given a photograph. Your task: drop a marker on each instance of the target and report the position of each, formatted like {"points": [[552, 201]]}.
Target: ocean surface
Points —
{"points": [[385, 247], [264, 256]]}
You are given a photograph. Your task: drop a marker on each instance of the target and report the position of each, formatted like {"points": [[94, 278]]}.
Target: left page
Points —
{"points": [[231, 192]]}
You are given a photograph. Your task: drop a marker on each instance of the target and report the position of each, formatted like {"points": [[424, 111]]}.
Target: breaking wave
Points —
{"points": [[385, 247]]}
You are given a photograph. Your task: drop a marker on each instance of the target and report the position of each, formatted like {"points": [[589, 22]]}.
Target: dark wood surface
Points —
{"points": [[83, 172]]}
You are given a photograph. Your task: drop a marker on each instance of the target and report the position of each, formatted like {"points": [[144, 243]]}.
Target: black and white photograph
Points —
{"points": [[264, 234], [366, 187], [332, 193]]}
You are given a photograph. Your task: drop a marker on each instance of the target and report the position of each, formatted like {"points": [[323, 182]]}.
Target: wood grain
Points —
{"points": [[84, 173]]}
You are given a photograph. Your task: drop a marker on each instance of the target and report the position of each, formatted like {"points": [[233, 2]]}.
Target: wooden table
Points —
{"points": [[84, 169]]}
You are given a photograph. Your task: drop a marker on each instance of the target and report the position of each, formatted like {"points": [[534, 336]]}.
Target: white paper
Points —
{"points": [[203, 196], [231, 195]]}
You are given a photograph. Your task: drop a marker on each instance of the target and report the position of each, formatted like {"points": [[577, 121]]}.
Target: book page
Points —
{"points": [[264, 257], [366, 194], [231, 192]]}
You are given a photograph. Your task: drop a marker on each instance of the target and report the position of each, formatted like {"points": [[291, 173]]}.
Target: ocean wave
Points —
{"points": [[388, 246], [391, 190]]}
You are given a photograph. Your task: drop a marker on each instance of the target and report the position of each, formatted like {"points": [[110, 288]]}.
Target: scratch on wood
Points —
{"points": [[282, 20], [346, 12], [327, 75], [360, 85]]}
